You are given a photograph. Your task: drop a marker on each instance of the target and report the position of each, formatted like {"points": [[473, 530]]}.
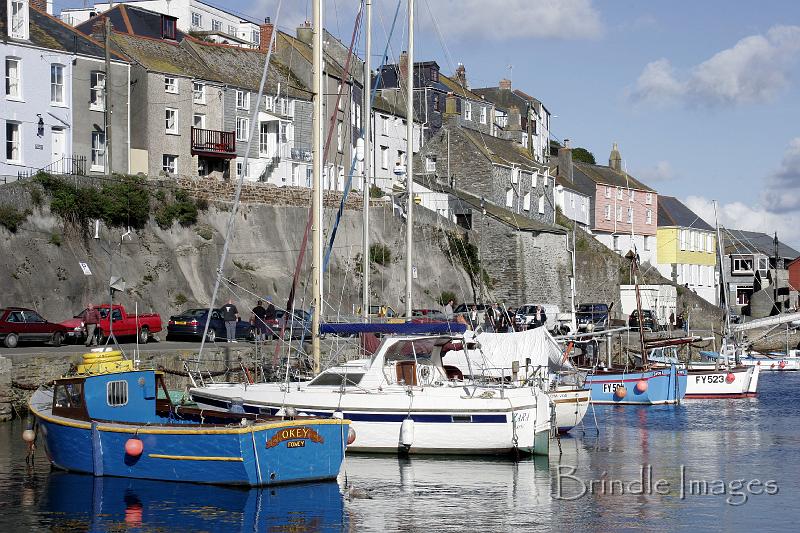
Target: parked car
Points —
{"points": [[525, 317], [648, 320], [382, 311], [298, 324], [433, 314], [464, 309], [592, 317], [124, 324], [18, 324], [192, 322]]}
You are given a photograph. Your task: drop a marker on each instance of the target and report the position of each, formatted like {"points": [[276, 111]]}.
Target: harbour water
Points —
{"points": [[703, 465]]}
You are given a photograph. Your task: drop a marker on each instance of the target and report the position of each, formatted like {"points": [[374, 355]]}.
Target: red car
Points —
{"points": [[21, 324], [125, 325]]}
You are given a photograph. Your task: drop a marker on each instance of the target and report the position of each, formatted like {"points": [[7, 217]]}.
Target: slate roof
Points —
{"points": [[332, 67], [672, 212], [608, 176], [47, 31], [515, 221], [166, 57], [503, 98], [390, 75], [133, 20], [738, 241], [498, 151], [457, 89]]}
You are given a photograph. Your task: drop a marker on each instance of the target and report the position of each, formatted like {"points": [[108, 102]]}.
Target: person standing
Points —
{"points": [[230, 315], [448, 309], [270, 316], [91, 319], [259, 321]]}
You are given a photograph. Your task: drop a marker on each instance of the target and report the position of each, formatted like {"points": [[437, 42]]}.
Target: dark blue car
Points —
{"points": [[192, 322]]}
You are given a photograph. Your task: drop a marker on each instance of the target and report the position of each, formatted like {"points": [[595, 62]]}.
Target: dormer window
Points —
{"points": [[434, 75], [18, 19], [167, 27]]}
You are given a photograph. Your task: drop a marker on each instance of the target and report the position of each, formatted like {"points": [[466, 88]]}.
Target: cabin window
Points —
{"points": [[117, 393], [68, 396], [334, 379]]}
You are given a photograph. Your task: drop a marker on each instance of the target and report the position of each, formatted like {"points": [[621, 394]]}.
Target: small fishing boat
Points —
{"points": [[643, 386], [110, 419], [570, 404]]}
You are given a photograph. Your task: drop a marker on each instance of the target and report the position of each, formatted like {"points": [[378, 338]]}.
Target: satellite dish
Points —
{"points": [[117, 283]]}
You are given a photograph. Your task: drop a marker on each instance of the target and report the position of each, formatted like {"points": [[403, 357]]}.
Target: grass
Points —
{"points": [[180, 299], [380, 253], [11, 218], [55, 239], [204, 231]]}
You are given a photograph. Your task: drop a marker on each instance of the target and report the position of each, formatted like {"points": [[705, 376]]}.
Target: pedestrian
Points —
{"points": [[448, 309], [270, 317], [473, 316], [488, 317], [91, 319], [230, 315], [259, 321], [672, 320]]}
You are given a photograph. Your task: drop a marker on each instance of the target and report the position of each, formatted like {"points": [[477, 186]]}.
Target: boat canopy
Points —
{"points": [[407, 328], [535, 347]]}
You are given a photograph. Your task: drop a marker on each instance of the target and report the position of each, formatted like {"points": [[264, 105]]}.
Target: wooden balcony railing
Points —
{"points": [[213, 143]]}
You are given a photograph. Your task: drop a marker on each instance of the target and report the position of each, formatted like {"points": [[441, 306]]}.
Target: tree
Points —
{"points": [[583, 155]]}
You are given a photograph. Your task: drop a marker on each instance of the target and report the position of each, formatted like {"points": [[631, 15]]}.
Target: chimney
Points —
{"points": [[514, 119], [266, 35], [505, 84], [615, 159], [41, 5], [403, 68], [305, 33], [450, 107], [461, 75], [565, 161]]}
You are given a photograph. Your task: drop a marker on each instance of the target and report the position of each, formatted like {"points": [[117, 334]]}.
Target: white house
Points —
{"points": [[389, 129], [193, 15], [574, 205]]}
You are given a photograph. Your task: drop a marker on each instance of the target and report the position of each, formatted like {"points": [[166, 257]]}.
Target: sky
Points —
{"points": [[702, 97]]}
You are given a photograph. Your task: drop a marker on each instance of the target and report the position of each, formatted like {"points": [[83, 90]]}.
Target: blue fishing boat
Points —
{"points": [[109, 419], [639, 386]]}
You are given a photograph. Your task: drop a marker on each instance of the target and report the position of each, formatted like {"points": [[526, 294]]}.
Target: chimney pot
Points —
{"points": [[403, 67], [305, 33], [505, 84], [461, 75], [615, 159], [565, 161]]}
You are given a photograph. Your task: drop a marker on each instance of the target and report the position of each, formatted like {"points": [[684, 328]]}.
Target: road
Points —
{"points": [[152, 346]]}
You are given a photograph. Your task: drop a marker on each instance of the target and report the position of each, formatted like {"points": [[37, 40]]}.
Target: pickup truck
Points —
{"points": [[125, 325]]}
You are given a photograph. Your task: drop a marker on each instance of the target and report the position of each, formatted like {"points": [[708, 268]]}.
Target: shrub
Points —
{"points": [[206, 232], [180, 299], [55, 239], [446, 296], [184, 209], [380, 253], [11, 217], [243, 265], [376, 192], [36, 197]]}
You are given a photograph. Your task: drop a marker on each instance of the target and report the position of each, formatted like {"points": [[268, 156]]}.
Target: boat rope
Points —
{"points": [[348, 184]]}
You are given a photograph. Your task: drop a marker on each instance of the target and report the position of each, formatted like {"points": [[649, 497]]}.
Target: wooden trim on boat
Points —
{"points": [[194, 457]]}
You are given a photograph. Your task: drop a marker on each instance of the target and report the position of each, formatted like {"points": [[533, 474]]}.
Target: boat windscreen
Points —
{"points": [[336, 379]]}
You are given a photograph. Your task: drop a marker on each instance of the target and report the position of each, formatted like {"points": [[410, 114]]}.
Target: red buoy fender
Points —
{"points": [[134, 447], [782, 364], [730, 378], [641, 386], [620, 391]]}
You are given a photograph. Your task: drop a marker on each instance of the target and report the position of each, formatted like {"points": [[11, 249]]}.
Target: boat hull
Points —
{"points": [[570, 407], [710, 383], [260, 454], [477, 426], [663, 386]]}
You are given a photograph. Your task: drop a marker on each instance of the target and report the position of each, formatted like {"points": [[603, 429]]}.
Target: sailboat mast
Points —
{"points": [[409, 156], [724, 291], [316, 194], [366, 117]]}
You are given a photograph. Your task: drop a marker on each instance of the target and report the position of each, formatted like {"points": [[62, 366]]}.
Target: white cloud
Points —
{"points": [[782, 192], [503, 20], [662, 171], [755, 69]]}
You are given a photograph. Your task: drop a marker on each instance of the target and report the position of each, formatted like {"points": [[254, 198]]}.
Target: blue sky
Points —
{"points": [[702, 97]]}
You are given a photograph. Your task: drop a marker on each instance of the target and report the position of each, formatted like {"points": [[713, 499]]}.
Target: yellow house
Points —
{"points": [[686, 249]]}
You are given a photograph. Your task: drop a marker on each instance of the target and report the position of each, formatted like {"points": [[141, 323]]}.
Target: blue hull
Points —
{"points": [[667, 385], [261, 454]]}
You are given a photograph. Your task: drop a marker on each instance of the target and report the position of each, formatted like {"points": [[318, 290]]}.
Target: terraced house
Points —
{"points": [[58, 101], [687, 249]]}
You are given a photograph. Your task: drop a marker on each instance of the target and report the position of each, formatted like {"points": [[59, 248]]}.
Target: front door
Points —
{"points": [[59, 144]]}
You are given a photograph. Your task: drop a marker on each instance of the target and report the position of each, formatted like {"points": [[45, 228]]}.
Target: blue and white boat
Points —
{"points": [[643, 386], [110, 419]]}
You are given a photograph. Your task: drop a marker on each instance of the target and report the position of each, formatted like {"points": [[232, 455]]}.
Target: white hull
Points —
{"points": [[773, 363], [706, 382], [570, 407]]}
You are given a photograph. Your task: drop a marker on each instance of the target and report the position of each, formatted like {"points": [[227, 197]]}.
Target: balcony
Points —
{"points": [[213, 143]]}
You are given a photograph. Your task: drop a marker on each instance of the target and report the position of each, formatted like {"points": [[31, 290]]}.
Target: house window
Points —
{"points": [[649, 216], [169, 164], [98, 151], [199, 93], [269, 102], [430, 163], [197, 19], [535, 179], [619, 214], [255, 36], [467, 110], [541, 205], [608, 212], [295, 174], [232, 30], [608, 191], [19, 20], [524, 140], [483, 115], [763, 266], [167, 27], [615, 242], [242, 127], [340, 97], [117, 393], [682, 238], [632, 198], [171, 121], [13, 142], [692, 238], [97, 92], [630, 215], [216, 25], [401, 157], [385, 157], [339, 137], [647, 242], [619, 193], [285, 132], [13, 77], [526, 202], [742, 264], [710, 243], [263, 140], [436, 102], [56, 84], [170, 85], [514, 175], [199, 120], [242, 99], [509, 197], [648, 198]]}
